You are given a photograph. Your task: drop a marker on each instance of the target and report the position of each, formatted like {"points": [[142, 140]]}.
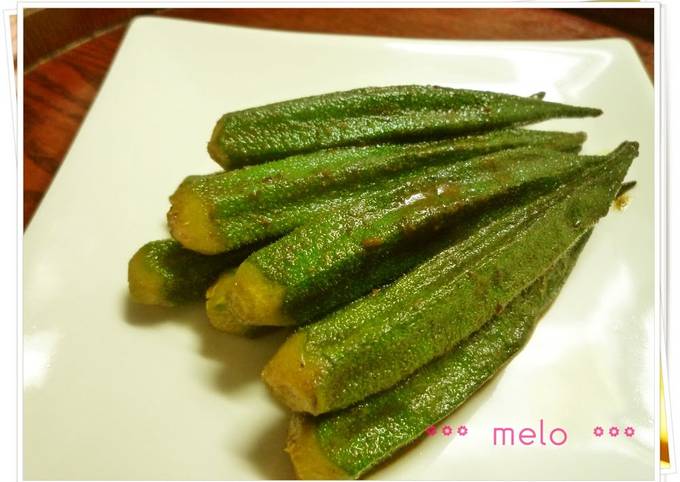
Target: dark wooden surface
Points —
{"points": [[49, 31], [58, 91]]}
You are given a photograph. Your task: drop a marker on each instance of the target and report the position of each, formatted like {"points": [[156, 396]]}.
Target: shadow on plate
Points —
{"points": [[241, 359], [240, 362], [266, 454]]}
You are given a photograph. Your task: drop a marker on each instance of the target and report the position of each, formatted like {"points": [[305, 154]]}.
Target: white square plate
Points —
{"points": [[115, 391]]}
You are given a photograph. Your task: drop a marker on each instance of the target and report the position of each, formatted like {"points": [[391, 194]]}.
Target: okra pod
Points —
{"points": [[294, 280], [371, 344], [348, 443], [223, 211], [369, 116], [166, 274]]}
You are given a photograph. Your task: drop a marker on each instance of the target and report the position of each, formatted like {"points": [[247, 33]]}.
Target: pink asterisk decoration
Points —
{"points": [[462, 430], [614, 431], [447, 430], [629, 431], [599, 431], [431, 430]]}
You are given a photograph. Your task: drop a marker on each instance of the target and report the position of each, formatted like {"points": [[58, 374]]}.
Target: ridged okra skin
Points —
{"points": [[166, 274], [369, 116], [223, 211], [346, 444], [294, 280], [376, 341]]}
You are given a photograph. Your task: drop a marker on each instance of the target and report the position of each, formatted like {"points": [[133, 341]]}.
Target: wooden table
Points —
{"points": [[59, 90]]}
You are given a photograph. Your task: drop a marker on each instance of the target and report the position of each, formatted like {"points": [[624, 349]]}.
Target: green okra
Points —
{"points": [[348, 443], [294, 280], [164, 273], [369, 116], [223, 211], [372, 343]]}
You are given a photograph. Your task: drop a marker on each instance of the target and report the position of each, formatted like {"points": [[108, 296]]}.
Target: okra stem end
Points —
{"points": [[190, 223], [215, 149], [258, 300], [291, 378], [146, 285], [218, 307], [309, 459]]}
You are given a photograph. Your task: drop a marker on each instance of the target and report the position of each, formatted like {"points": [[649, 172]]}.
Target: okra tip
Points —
{"points": [[556, 109], [257, 299], [626, 149], [590, 111], [625, 187], [190, 224], [580, 137], [573, 142], [292, 378], [307, 456]]}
